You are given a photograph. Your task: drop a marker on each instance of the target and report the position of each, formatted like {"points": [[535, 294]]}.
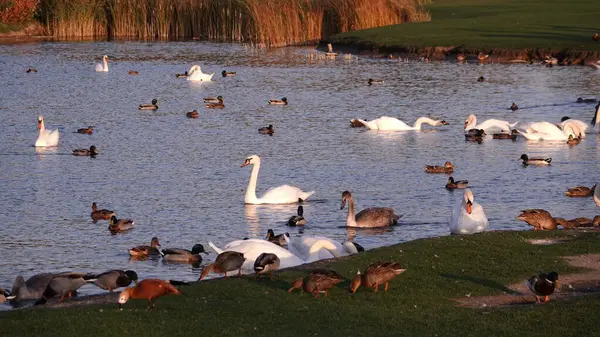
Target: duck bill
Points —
{"points": [[469, 207]]}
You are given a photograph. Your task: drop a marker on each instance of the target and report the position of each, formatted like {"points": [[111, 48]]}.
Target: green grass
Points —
{"points": [[487, 24], [417, 303]]}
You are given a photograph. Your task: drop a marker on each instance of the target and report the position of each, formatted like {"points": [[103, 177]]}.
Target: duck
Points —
{"points": [[578, 222], [283, 194], [85, 152], [133, 72], [280, 240], [226, 261], [460, 57], [539, 218], [303, 247], [46, 138], [385, 123], [282, 101], [266, 263], [297, 220], [471, 123], [573, 141], [183, 255], [267, 130], [543, 285], [475, 135], [120, 225], [482, 57], [182, 75], [376, 274], [369, 217], [535, 161], [597, 196], [316, 282], [503, 135], [5, 296], [481, 79], [64, 285], [580, 191], [195, 74], [31, 70], [451, 184], [468, 216], [228, 73], [32, 289], [217, 99], [102, 67], [148, 289], [152, 106], [114, 279], [89, 130], [595, 37], [100, 214], [145, 251], [356, 123], [447, 168], [372, 81], [513, 107], [219, 105], [192, 114], [586, 100]]}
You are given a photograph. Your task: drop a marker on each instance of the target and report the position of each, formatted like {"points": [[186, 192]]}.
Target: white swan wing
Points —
{"points": [[575, 127], [544, 131], [47, 138], [252, 248], [284, 194], [371, 125], [462, 222], [385, 123], [495, 124], [196, 74]]}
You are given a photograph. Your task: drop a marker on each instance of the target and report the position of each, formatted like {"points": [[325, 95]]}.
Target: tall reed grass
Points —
{"points": [[261, 22]]}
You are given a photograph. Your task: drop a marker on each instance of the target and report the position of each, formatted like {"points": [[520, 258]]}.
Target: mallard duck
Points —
{"points": [[192, 114], [85, 152], [503, 135], [279, 240], [267, 130], [297, 220], [266, 263], [586, 100], [475, 135], [574, 141], [89, 130], [5, 296], [100, 214], [31, 70], [355, 123], [147, 289], [152, 106], [183, 255], [144, 251], [226, 261], [481, 79], [513, 107], [133, 72], [460, 57], [535, 161], [543, 285], [63, 285], [580, 191], [217, 99], [182, 75], [540, 219], [372, 81], [120, 225], [482, 57], [282, 101], [220, 105], [451, 184], [595, 37], [447, 168], [578, 222], [375, 275], [228, 73], [317, 281], [114, 279]]}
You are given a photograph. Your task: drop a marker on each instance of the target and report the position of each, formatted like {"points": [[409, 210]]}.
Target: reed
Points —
{"points": [[258, 22]]}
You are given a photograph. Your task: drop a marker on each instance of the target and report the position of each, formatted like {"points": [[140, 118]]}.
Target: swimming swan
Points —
{"points": [[597, 196], [548, 131], [593, 127], [196, 74], [46, 137], [368, 217], [102, 67], [301, 247], [385, 123], [468, 216], [284, 194], [471, 123]]}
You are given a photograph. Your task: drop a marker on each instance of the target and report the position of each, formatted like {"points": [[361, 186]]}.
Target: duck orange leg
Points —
{"points": [[326, 292], [386, 286], [376, 287], [316, 293], [546, 299]]}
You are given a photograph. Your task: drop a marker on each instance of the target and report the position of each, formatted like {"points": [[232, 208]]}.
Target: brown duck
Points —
{"points": [[145, 251], [100, 214], [578, 222], [317, 281], [503, 135], [375, 275], [581, 191], [89, 130], [266, 263], [120, 225], [538, 218], [447, 168], [225, 262]]}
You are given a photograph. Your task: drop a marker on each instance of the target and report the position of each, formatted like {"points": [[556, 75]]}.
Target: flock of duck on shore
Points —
{"points": [[266, 256]]}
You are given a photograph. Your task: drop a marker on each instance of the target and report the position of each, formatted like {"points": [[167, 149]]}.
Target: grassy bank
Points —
{"points": [[417, 303], [488, 24]]}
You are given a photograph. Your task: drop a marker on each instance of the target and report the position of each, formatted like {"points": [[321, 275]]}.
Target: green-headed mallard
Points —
{"points": [[184, 75], [535, 161], [218, 105], [503, 135], [452, 184], [317, 281], [145, 251], [513, 107], [540, 219], [183, 255], [192, 114], [543, 285], [120, 225], [580, 191], [89, 130], [226, 261], [267, 130], [282, 101], [148, 289], [85, 152], [152, 106], [374, 81], [228, 73], [297, 220], [114, 279], [100, 214], [266, 263], [280, 240], [375, 275], [447, 168], [217, 99]]}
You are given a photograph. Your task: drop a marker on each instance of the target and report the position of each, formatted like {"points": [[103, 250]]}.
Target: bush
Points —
{"points": [[17, 11]]}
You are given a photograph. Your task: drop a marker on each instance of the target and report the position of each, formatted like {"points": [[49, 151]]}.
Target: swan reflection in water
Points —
{"points": [[271, 214]]}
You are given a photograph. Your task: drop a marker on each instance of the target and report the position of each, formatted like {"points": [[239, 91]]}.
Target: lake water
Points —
{"points": [[180, 179]]}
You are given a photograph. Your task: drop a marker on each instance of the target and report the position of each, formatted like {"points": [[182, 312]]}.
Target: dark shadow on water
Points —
{"points": [[482, 281]]}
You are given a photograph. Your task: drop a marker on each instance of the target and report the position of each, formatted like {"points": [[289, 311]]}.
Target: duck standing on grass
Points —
{"points": [[376, 275], [543, 285], [266, 263], [148, 289], [318, 281], [114, 279], [225, 262]]}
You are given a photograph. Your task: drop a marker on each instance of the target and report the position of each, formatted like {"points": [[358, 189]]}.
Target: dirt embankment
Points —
{"points": [[30, 31]]}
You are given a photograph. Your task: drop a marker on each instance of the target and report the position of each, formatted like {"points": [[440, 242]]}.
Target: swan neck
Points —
{"points": [[321, 244], [425, 120], [351, 221], [596, 120], [251, 190]]}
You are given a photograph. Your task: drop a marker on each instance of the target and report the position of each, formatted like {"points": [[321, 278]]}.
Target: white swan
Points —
{"points": [[284, 194], [549, 131], [468, 216], [252, 248], [102, 67], [471, 123], [593, 127], [196, 74], [386, 123], [597, 195], [47, 137], [301, 247]]}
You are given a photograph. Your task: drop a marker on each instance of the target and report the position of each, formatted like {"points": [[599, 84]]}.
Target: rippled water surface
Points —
{"points": [[180, 179]]}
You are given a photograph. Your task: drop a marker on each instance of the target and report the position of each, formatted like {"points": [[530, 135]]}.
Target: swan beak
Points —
{"points": [[247, 162], [445, 123], [469, 207], [39, 124]]}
